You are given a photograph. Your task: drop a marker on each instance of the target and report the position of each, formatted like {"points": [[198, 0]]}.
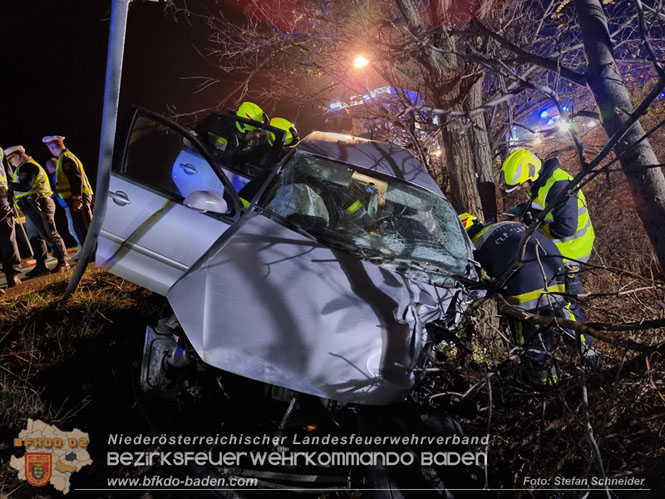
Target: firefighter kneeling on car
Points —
{"points": [[536, 287]]}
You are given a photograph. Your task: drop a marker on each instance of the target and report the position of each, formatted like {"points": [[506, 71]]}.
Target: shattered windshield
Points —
{"points": [[376, 217]]}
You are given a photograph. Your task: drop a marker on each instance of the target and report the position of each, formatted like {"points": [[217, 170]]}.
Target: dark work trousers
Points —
{"points": [[574, 287], [9, 255], [82, 218], [537, 339], [40, 223]]}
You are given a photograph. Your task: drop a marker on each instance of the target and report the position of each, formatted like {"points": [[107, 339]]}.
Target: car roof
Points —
{"points": [[385, 158]]}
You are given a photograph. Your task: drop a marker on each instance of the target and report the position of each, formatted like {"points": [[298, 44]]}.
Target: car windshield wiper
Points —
{"points": [[428, 267], [364, 253]]}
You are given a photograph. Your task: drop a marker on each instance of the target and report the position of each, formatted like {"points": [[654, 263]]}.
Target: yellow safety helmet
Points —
{"points": [[291, 137], [468, 220], [250, 111], [520, 166]]}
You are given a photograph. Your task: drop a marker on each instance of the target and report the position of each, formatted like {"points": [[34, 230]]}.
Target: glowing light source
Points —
{"points": [[360, 62], [437, 152], [337, 105], [544, 114], [565, 108]]}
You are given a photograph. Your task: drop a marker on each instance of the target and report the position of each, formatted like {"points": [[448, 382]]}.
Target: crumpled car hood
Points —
{"points": [[271, 304]]}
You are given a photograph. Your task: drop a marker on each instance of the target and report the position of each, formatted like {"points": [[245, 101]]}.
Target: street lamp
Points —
{"points": [[360, 62]]}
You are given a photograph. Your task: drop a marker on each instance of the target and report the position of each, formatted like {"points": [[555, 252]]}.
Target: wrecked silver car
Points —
{"points": [[317, 272]]}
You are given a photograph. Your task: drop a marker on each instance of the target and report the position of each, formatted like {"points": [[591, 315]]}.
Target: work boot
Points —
{"points": [[61, 265], [592, 360], [542, 377], [13, 281], [38, 270]]}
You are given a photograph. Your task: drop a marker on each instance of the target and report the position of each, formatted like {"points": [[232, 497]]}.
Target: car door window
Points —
{"points": [[246, 153], [166, 158]]}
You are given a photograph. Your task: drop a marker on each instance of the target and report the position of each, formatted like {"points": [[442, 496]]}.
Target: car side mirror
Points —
{"points": [[206, 201]]}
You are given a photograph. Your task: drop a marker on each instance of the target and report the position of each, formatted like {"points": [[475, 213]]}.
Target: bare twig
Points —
{"points": [[583, 328], [489, 423]]}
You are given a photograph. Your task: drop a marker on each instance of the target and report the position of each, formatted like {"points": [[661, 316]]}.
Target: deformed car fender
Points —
{"points": [[273, 305]]}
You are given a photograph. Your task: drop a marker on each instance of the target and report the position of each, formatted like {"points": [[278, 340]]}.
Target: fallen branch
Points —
{"points": [[586, 328]]}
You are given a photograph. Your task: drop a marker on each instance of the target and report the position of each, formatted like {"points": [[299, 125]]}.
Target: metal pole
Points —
{"points": [[116, 50]]}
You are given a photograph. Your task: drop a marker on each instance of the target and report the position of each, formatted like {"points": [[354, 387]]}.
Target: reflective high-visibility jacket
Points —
{"points": [[568, 225], [71, 180], [3, 177], [40, 184], [497, 248]]}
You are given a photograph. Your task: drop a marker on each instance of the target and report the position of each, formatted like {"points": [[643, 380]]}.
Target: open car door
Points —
{"points": [[169, 202]]}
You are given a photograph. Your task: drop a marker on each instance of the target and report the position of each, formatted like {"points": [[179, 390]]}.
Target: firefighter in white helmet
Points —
{"points": [[9, 254], [33, 197], [72, 185]]}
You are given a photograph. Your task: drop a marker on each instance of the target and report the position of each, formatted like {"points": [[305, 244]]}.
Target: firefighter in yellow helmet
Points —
{"points": [[263, 155], [537, 287], [290, 133], [568, 225], [232, 141], [229, 135], [262, 152], [531, 288]]}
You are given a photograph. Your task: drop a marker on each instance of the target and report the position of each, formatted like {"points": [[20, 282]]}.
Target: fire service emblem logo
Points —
{"points": [[51, 455], [37, 468]]}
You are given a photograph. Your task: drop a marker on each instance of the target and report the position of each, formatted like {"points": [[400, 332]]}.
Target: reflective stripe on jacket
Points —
{"points": [[62, 185], [542, 273], [39, 186], [577, 246], [3, 177]]}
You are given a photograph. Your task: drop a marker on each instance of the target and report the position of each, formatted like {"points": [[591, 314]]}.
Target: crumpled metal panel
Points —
{"points": [[271, 304], [377, 156]]}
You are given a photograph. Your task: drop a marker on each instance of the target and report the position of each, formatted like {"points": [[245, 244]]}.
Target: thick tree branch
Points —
{"points": [[592, 329], [531, 58]]}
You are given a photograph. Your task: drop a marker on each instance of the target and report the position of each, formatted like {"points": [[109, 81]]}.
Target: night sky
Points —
{"points": [[53, 56]]}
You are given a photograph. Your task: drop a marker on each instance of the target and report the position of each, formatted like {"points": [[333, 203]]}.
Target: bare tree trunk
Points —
{"points": [[647, 185], [445, 90], [463, 194], [482, 151]]}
